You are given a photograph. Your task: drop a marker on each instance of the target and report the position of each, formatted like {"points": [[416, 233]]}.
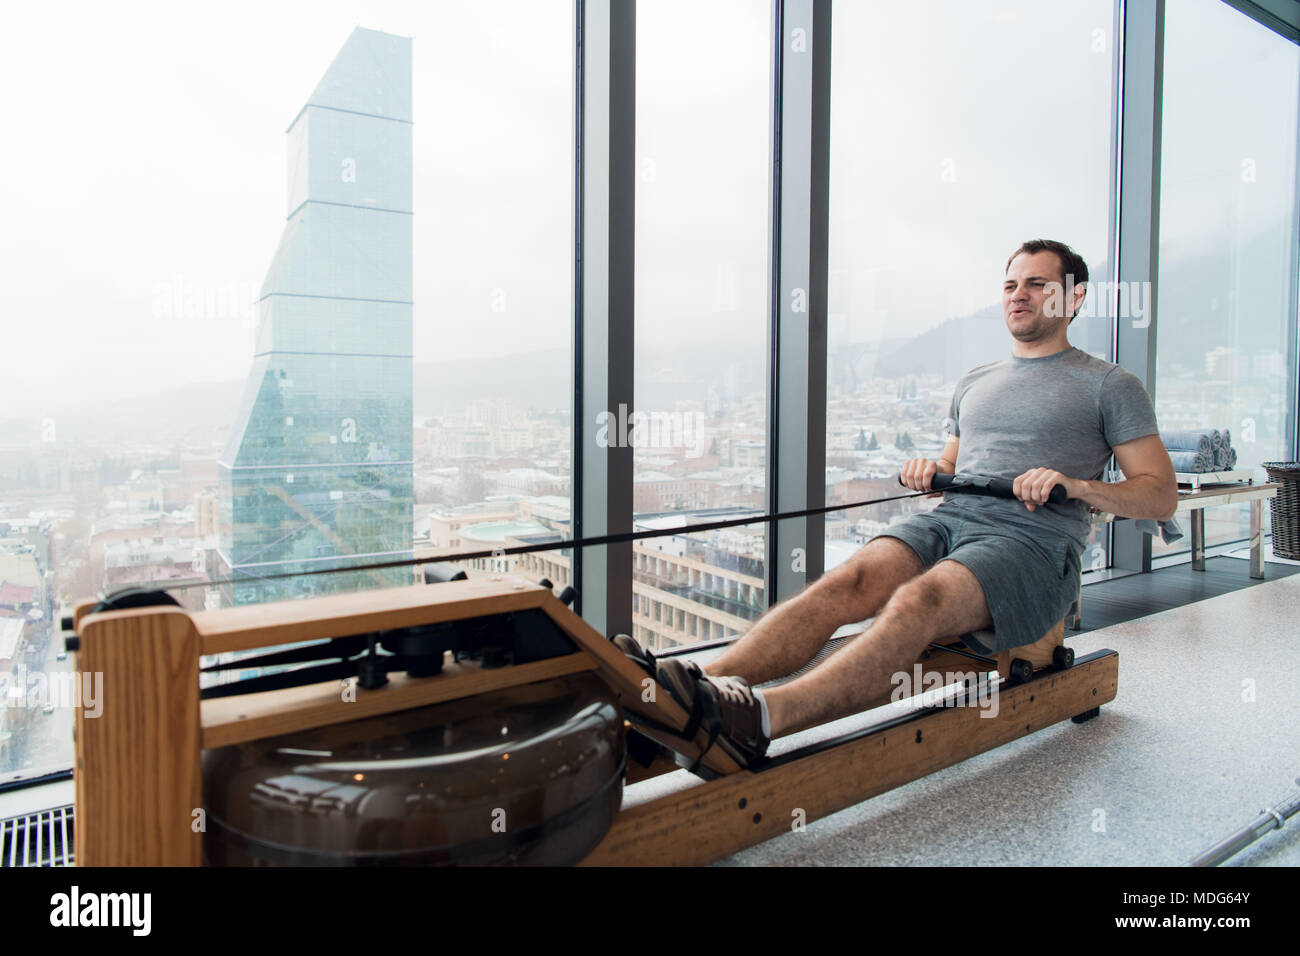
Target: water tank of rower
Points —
{"points": [[527, 775]]}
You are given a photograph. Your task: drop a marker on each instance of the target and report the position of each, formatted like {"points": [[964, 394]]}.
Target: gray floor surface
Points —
{"points": [[1204, 733]]}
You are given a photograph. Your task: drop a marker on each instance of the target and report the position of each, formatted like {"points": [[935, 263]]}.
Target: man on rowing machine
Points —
{"points": [[1049, 414]]}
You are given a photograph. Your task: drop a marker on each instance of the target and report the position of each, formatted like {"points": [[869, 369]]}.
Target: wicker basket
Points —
{"points": [[1286, 507]]}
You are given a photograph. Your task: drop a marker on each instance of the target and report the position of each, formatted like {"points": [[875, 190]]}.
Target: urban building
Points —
{"points": [[317, 472]]}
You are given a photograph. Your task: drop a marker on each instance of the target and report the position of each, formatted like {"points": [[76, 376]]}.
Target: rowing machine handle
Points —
{"points": [[985, 485]]}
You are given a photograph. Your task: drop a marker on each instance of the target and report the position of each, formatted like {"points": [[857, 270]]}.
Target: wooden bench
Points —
{"points": [[1193, 498]]}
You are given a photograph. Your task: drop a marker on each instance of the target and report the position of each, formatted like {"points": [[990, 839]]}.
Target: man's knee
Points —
{"points": [[873, 573], [947, 597], [885, 560], [916, 597]]}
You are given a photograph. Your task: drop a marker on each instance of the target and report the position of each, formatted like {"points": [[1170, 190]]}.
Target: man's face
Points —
{"points": [[1034, 300]]}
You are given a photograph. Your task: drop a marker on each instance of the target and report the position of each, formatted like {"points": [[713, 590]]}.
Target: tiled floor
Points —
{"points": [[1137, 595]]}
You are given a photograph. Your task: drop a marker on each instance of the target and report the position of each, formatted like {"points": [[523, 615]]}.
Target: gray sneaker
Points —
{"points": [[638, 654], [725, 706]]}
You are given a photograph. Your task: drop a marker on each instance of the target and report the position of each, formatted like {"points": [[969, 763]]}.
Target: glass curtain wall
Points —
{"points": [[305, 305], [1225, 354], [702, 209], [958, 131]]}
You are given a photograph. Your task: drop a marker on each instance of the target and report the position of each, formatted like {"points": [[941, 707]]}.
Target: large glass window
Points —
{"points": [[946, 154], [1228, 178], [226, 377], [702, 211]]}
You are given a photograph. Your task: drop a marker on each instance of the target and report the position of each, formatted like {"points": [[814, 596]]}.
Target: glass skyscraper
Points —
{"points": [[317, 472]]}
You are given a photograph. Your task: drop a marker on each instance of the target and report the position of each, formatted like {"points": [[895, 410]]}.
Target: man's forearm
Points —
{"points": [[1142, 496]]}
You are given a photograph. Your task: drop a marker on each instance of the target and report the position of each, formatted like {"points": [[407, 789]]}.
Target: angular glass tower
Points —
{"points": [[317, 471]]}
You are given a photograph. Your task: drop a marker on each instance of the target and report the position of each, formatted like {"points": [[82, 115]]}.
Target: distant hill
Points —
{"points": [[542, 378]]}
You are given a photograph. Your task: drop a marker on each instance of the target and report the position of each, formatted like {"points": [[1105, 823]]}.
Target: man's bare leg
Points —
{"points": [[789, 635], [945, 601]]}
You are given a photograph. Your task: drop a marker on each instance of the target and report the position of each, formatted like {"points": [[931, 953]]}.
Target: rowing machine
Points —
{"points": [[142, 798]]}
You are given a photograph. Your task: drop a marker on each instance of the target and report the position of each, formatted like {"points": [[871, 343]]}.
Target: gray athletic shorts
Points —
{"points": [[1028, 588]]}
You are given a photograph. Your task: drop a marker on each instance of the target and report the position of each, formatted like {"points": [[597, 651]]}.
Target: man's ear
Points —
{"points": [[1078, 293]]}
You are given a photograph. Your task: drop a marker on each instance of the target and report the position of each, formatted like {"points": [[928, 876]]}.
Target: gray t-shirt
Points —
{"points": [[1065, 412]]}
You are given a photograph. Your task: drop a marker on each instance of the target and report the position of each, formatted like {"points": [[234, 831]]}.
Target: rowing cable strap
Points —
{"points": [[563, 545], [699, 712]]}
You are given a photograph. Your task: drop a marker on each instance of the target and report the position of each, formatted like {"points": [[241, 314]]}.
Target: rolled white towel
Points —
{"points": [[1194, 462], [1189, 439]]}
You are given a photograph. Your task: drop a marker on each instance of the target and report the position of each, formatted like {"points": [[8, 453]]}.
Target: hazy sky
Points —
{"points": [[148, 154], [145, 159]]}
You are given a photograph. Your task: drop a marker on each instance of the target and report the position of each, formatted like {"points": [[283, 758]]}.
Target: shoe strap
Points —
{"points": [[703, 713], [705, 705]]}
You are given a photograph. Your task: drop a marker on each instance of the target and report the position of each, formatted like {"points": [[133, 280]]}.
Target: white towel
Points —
{"points": [[1169, 530]]}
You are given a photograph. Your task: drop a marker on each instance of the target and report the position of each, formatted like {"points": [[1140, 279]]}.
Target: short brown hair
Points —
{"points": [[1074, 270]]}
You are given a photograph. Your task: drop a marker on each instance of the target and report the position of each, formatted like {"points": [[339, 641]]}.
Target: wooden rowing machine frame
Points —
{"points": [[137, 774]]}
